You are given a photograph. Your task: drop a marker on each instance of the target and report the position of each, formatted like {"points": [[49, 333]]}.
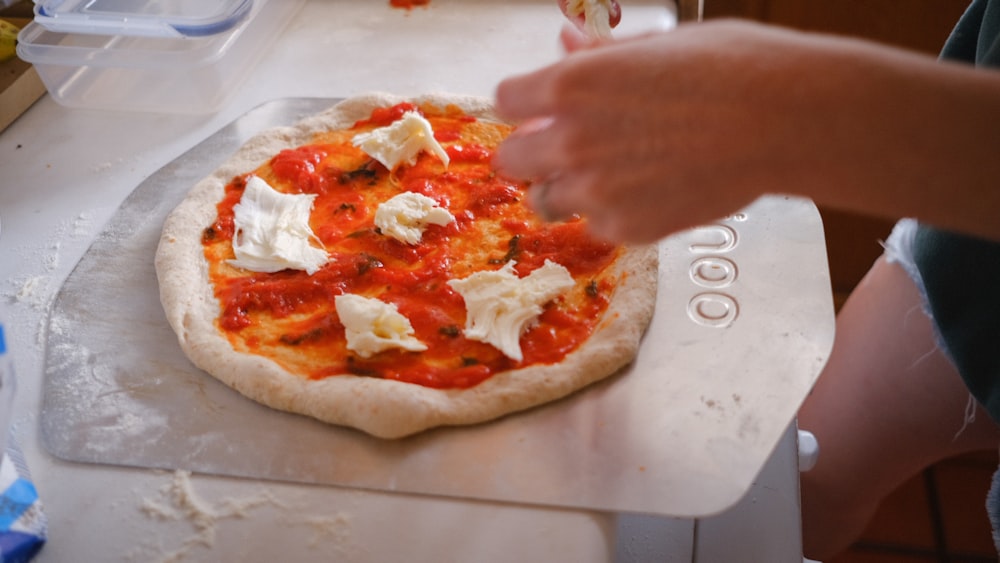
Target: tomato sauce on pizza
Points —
{"points": [[408, 4], [289, 316]]}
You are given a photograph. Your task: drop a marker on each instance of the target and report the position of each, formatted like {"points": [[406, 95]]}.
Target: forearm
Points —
{"points": [[656, 134], [899, 134]]}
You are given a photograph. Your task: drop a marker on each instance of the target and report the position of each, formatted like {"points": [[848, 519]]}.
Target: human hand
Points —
{"points": [[654, 134]]}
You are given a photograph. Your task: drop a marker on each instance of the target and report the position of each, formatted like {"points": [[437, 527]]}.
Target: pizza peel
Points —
{"points": [[743, 325]]}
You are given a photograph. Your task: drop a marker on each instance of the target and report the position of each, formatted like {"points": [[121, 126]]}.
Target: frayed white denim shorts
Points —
{"points": [[899, 250]]}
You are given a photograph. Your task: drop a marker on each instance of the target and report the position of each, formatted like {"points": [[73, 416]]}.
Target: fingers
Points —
{"points": [[548, 198], [532, 94], [563, 197], [538, 200], [610, 228], [526, 155], [566, 195], [535, 94], [535, 150], [526, 96], [572, 39]]}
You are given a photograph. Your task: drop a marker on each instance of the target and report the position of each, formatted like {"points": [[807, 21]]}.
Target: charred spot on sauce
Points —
{"points": [[366, 262], [239, 182], [223, 229], [467, 361], [208, 235], [297, 339], [346, 207], [224, 226], [592, 290], [362, 233], [366, 171], [356, 368], [513, 251], [451, 331]]}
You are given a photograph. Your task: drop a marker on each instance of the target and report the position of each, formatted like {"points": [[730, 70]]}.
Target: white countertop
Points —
{"points": [[64, 172]]}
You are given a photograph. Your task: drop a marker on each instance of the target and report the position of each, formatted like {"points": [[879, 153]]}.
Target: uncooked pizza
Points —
{"points": [[369, 268]]}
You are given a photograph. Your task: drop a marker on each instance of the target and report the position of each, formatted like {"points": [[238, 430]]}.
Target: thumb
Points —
{"points": [[573, 39]]}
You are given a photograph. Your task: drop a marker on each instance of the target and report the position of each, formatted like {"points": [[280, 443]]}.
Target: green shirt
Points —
{"points": [[961, 274]]}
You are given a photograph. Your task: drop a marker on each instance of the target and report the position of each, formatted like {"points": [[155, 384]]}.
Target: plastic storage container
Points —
{"points": [[192, 74], [149, 18]]}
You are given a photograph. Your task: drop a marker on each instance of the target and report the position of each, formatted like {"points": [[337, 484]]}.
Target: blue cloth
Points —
{"points": [[23, 526], [22, 522]]}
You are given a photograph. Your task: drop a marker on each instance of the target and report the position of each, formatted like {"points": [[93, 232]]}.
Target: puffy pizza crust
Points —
{"points": [[382, 408]]}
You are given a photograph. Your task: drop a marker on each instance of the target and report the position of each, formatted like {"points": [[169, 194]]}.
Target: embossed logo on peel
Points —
{"points": [[713, 271], [714, 239]]}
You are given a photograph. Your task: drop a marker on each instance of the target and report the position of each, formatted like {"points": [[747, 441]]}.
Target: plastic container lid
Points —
{"points": [[147, 18], [188, 75]]}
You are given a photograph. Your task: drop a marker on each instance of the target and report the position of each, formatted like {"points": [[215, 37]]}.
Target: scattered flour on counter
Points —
{"points": [[60, 325], [83, 225], [201, 515], [37, 288], [103, 166], [33, 291], [178, 501], [51, 259], [336, 528]]}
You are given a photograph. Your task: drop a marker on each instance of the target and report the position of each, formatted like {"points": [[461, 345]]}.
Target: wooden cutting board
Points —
{"points": [[20, 85]]}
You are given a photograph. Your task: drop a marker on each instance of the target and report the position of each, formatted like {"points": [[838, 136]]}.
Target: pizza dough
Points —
{"points": [[381, 407]]}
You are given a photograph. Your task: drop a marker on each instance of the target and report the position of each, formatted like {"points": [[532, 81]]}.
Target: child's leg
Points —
{"points": [[887, 405]]}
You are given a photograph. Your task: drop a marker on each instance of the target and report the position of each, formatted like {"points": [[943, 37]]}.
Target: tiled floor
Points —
{"points": [[936, 517]]}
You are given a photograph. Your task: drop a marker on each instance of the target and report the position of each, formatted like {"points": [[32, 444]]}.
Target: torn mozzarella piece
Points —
{"points": [[401, 141], [272, 231], [500, 306], [374, 326], [406, 216], [596, 16]]}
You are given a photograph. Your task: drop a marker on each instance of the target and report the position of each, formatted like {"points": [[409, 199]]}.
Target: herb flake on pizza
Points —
{"points": [[367, 267]]}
